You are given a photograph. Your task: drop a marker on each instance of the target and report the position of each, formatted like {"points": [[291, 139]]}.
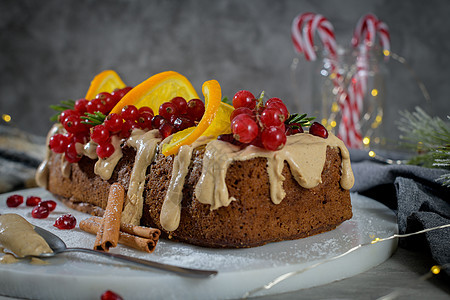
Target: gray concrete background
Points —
{"points": [[50, 50]]}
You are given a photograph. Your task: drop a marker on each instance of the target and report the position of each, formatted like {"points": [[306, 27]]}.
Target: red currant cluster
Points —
{"points": [[264, 125], [78, 130], [42, 209], [175, 115]]}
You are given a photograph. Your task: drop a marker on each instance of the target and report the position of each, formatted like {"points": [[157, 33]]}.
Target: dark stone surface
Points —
{"points": [[50, 50]]}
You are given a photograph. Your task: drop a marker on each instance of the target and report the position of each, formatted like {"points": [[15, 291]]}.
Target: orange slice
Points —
{"points": [[106, 81], [213, 122], [156, 90]]}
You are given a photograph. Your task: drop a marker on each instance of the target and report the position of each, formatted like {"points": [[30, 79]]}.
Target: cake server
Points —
{"points": [[58, 246]]}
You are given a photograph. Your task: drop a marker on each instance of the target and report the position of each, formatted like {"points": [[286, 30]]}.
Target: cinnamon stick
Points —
{"points": [[93, 225], [140, 231], [108, 233]]}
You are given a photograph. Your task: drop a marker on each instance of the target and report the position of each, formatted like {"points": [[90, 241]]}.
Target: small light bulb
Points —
{"points": [[386, 52], [372, 154], [333, 124], [374, 92], [6, 118], [366, 140], [435, 270]]}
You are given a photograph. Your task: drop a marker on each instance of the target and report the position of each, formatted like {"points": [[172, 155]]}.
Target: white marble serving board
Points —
{"points": [[82, 276]]}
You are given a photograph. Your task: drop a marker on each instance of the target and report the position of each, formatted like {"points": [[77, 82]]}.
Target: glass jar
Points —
{"points": [[348, 95]]}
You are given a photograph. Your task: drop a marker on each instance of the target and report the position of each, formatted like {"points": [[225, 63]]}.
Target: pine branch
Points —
{"points": [[429, 137]]}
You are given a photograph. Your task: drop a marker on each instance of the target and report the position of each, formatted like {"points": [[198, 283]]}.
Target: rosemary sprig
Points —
{"points": [[299, 119], [94, 119], [64, 105]]}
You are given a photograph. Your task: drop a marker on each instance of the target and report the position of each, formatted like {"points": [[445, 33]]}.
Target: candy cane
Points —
{"points": [[303, 29], [366, 30]]}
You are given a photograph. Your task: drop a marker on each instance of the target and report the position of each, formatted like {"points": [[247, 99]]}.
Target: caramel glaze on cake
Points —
{"points": [[212, 193]]}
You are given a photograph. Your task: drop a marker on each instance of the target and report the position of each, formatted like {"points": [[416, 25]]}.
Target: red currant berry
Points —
{"points": [[108, 100], [33, 201], [119, 93], [229, 138], [273, 100], [157, 121], [66, 221], [51, 205], [279, 105], [241, 110], [95, 105], [166, 129], [68, 112], [58, 143], [244, 99], [182, 123], [127, 128], [319, 130], [244, 128], [73, 125], [100, 134], [130, 112], [167, 109], [146, 109], [113, 123], [273, 138], [40, 212], [81, 106], [145, 121], [14, 200], [110, 295], [195, 109], [71, 153], [81, 138], [180, 104], [272, 117], [105, 150], [294, 128]]}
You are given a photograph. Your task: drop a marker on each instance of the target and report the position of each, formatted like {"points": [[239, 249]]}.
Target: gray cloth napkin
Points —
{"points": [[418, 200], [20, 155]]}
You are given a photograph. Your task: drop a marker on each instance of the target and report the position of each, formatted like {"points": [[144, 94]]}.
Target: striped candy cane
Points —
{"points": [[303, 29], [366, 31]]}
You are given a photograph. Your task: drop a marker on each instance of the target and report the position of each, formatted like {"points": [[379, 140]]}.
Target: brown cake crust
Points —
{"points": [[251, 220]]}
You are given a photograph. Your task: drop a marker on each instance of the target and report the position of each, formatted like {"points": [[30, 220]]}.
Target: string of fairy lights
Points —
{"points": [[434, 270]]}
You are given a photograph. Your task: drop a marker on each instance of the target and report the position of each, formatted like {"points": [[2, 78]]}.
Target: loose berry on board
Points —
{"points": [[40, 212], [51, 205], [110, 295], [33, 201], [66, 221], [14, 200]]}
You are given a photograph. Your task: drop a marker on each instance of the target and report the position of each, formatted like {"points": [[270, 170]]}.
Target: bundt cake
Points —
{"points": [[216, 191]]}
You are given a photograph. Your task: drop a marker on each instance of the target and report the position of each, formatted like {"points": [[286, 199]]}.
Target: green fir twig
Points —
{"points": [[94, 119], [300, 119], [429, 137]]}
